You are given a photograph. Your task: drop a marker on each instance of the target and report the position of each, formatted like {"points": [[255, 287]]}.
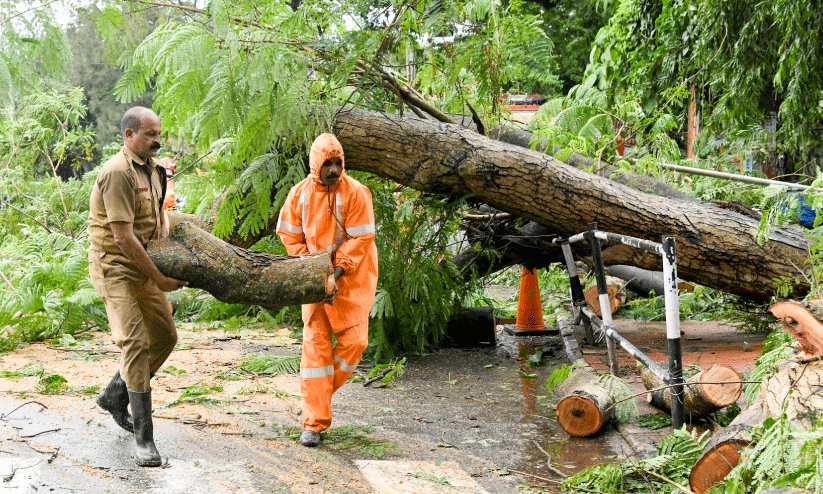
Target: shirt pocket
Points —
{"points": [[142, 205]]}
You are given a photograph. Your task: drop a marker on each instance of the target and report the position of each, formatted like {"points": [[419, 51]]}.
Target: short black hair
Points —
{"points": [[131, 119]]}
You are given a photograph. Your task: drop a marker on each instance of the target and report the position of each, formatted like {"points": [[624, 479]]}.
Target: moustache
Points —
{"points": [[332, 176], [155, 146]]}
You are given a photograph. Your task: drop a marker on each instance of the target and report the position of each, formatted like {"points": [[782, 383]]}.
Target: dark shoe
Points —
{"points": [[309, 438], [115, 400], [145, 453]]}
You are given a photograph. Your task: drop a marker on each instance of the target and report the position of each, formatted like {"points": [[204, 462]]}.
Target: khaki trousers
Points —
{"points": [[323, 369], [139, 316]]}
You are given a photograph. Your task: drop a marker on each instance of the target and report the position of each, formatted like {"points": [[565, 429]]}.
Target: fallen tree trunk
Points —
{"points": [[235, 275], [585, 406], [640, 281], [715, 247], [701, 393], [722, 453]]}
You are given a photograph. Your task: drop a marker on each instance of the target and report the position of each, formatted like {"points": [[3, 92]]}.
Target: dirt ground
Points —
{"points": [[477, 409], [472, 407]]}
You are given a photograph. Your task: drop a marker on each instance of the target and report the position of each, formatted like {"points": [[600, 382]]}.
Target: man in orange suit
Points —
{"points": [[332, 212]]}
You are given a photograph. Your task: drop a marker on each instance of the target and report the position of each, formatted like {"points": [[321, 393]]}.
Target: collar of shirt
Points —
{"points": [[136, 159]]}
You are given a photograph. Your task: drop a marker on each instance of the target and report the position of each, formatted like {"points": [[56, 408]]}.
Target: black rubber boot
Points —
{"points": [[310, 438], [145, 453], [115, 400]]}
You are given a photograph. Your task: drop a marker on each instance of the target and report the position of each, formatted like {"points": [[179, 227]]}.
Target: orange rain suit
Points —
{"points": [[339, 220]]}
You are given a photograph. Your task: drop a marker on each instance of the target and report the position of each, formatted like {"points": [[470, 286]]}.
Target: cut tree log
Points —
{"points": [[585, 407], [715, 247], [722, 453], [794, 389], [802, 320], [235, 275], [701, 394], [616, 289]]}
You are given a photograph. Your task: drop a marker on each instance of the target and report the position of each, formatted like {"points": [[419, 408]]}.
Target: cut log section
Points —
{"points": [[586, 407], [235, 275], [722, 453], [615, 287], [794, 389], [700, 396], [802, 320]]}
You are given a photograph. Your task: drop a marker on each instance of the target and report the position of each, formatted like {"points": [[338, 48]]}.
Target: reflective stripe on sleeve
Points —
{"points": [[285, 225], [354, 231], [316, 372], [344, 366]]}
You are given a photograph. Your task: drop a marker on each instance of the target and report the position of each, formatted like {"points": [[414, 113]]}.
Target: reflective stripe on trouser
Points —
{"points": [[324, 370], [139, 316]]}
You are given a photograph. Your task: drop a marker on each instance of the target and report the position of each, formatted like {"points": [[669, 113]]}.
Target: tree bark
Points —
{"points": [[701, 396], [722, 453], [235, 275], [794, 389], [715, 247]]}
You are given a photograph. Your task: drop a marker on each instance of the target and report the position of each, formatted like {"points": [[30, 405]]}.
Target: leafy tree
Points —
{"points": [[251, 84], [746, 60], [93, 69], [45, 290]]}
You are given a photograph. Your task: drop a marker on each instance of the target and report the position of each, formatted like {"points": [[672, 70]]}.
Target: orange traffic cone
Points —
{"points": [[529, 308]]}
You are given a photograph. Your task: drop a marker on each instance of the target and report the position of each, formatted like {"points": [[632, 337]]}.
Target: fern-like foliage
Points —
{"points": [[676, 454], [776, 347], [416, 295], [272, 364]]}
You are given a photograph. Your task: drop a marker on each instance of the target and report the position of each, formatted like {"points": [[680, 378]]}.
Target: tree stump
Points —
{"points": [[722, 453], [235, 275], [700, 396]]}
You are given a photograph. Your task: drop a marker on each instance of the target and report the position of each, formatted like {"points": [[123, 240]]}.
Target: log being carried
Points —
{"points": [[235, 275]]}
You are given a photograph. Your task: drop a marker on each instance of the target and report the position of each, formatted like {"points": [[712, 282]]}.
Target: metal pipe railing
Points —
{"points": [[674, 375]]}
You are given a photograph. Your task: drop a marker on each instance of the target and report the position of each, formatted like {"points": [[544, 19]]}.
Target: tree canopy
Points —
{"points": [[747, 60]]}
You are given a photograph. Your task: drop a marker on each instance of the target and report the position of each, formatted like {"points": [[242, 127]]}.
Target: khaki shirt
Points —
{"points": [[127, 189]]}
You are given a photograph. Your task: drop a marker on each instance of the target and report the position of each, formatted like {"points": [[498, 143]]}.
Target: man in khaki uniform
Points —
{"points": [[124, 214]]}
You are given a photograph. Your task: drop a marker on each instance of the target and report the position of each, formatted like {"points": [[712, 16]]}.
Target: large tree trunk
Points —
{"points": [[715, 247], [235, 275]]}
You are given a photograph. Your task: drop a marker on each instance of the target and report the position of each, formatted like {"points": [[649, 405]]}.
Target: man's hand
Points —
{"points": [[167, 284], [338, 272], [134, 251]]}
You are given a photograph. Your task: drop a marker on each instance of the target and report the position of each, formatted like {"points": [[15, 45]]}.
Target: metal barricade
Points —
{"points": [[672, 376]]}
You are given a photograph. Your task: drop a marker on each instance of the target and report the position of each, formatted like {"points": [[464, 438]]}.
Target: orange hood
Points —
{"points": [[323, 148]]}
